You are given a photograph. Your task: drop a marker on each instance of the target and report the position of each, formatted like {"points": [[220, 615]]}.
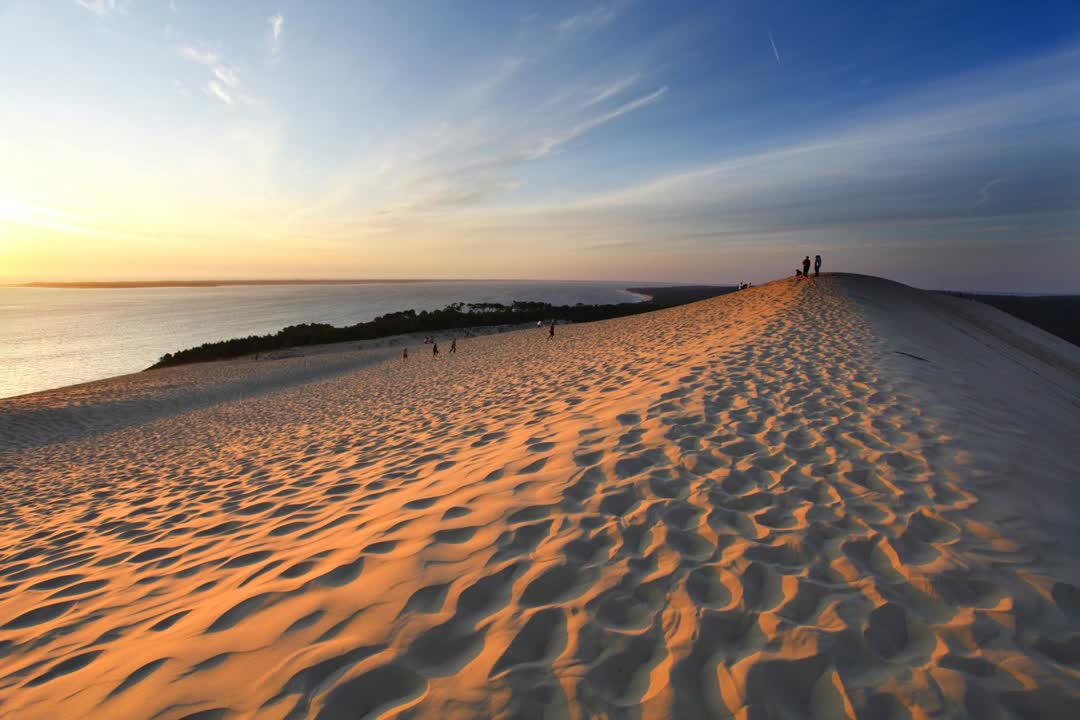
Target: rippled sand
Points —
{"points": [[834, 498]]}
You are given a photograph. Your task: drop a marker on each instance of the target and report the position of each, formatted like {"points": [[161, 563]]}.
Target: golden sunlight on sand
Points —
{"points": [[833, 498]]}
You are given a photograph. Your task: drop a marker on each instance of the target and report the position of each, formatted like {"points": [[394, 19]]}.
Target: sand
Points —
{"points": [[832, 498]]}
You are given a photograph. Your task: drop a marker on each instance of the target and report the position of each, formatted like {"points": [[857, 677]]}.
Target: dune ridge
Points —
{"points": [[833, 498]]}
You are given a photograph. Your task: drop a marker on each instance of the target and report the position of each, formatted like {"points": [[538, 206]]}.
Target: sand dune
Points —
{"points": [[825, 499]]}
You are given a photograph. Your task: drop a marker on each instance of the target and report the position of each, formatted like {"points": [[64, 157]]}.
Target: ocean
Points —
{"points": [[52, 337]]}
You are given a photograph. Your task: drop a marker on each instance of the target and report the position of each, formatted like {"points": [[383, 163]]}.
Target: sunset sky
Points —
{"points": [[933, 143]]}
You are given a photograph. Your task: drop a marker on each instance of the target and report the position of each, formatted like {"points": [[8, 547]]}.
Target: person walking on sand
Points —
{"points": [[434, 349], [551, 331], [817, 265], [453, 346], [405, 353], [806, 266]]}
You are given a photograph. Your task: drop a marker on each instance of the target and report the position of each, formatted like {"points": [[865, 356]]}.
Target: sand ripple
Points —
{"points": [[754, 506]]}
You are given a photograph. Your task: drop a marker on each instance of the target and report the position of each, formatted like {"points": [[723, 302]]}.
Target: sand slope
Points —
{"points": [[821, 499]]}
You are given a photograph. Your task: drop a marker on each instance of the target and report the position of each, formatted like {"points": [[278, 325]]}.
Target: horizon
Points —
{"points": [[588, 141], [626, 284]]}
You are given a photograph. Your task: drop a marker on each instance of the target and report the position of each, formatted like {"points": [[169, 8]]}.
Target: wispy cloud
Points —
{"points": [[19, 212], [277, 27], [984, 191], [613, 89], [100, 7], [227, 75], [216, 89], [204, 57], [450, 171], [776, 52], [596, 17], [907, 167], [224, 83], [549, 144]]}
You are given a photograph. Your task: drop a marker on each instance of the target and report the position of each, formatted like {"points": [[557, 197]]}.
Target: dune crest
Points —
{"points": [[832, 498]]}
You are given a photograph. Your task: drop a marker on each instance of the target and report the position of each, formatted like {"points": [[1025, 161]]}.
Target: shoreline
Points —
{"points": [[86, 410], [450, 318], [669, 514], [80, 345], [135, 284]]}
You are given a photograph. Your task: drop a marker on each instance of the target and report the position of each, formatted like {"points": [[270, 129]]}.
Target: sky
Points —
{"points": [[934, 143]]}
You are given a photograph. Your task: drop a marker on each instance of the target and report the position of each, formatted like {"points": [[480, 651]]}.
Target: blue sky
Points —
{"points": [[931, 142]]}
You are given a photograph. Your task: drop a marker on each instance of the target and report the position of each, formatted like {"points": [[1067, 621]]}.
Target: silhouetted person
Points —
{"points": [[405, 353], [434, 349], [817, 265], [551, 331], [806, 266], [453, 346]]}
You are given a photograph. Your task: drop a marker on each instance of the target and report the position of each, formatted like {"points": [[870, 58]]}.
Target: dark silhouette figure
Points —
{"points": [[434, 349], [405, 353], [817, 265], [453, 346], [806, 266], [551, 331]]}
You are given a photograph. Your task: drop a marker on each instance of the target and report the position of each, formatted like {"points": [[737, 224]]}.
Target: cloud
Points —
{"points": [[597, 17], [227, 75], [984, 192], [16, 211], [216, 89], [277, 27], [224, 83], [613, 89], [203, 57], [915, 157], [99, 7], [549, 144]]}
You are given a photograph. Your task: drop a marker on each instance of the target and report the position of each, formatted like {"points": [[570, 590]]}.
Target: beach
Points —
{"points": [[838, 497], [54, 337]]}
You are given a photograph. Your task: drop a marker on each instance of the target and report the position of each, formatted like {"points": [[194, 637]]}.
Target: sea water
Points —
{"points": [[51, 337]]}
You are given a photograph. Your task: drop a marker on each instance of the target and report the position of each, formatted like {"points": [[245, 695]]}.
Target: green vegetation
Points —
{"points": [[457, 315]]}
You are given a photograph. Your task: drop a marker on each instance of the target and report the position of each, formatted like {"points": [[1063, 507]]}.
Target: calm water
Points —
{"points": [[55, 337]]}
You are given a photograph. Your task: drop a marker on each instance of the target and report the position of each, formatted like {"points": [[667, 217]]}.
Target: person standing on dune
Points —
{"points": [[405, 353], [453, 346], [551, 331], [817, 265], [434, 349], [806, 266]]}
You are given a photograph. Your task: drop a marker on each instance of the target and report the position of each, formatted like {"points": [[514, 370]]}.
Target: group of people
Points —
{"points": [[430, 340], [434, 347], [745, 285], [805, 272]]}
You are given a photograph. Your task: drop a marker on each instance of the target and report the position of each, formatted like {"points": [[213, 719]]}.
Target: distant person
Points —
{"points": [[453, 346], [817, 265], [806, 266], [434, 349], [551, 331], [404, 353]]}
